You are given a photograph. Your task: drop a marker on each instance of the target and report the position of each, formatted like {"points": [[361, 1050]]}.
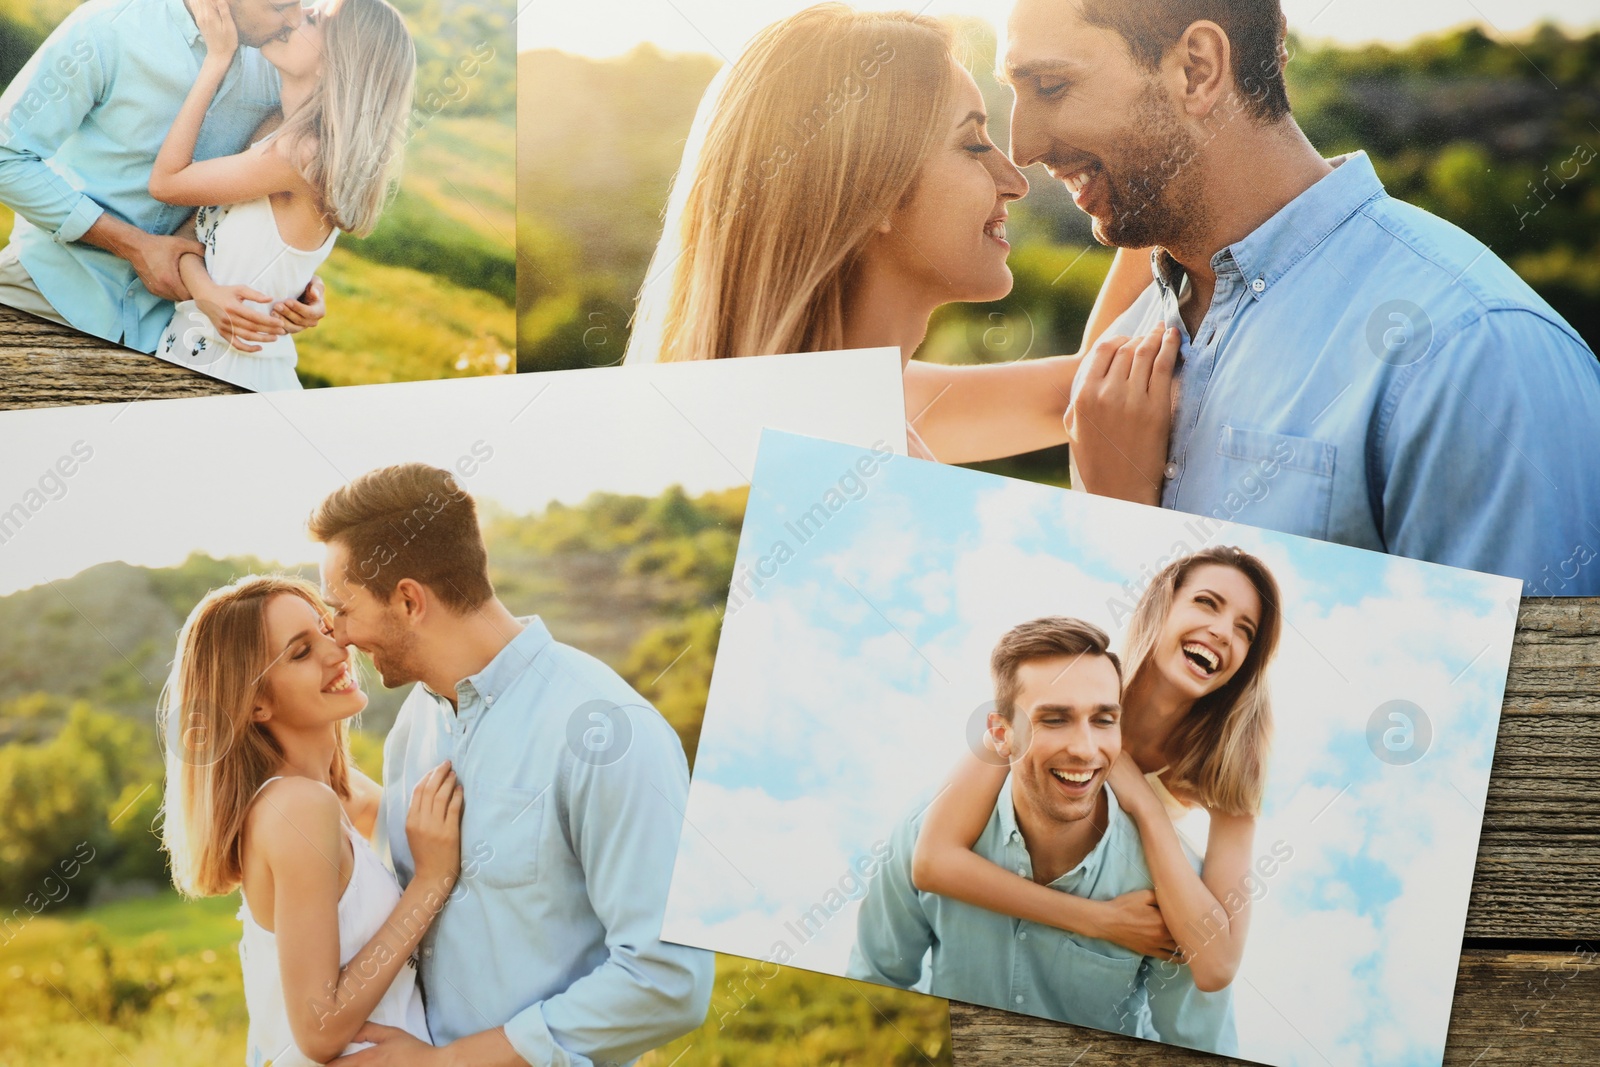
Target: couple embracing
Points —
{"points": [[1096, 862], [284, 126], [1279, 342], [498, 899]]}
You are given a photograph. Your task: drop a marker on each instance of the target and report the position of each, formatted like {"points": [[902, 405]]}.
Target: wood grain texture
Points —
{"points": [[1538, 873], [1510, 1008], [44, 364]]}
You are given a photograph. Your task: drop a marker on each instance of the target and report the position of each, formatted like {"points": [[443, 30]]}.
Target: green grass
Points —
{"points": [[395, 324], [155, 981], [466, 167]]}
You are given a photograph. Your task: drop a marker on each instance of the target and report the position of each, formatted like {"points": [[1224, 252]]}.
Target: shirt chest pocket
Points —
{"points": [[500, 834], [1108, 993], [1275, 481]]}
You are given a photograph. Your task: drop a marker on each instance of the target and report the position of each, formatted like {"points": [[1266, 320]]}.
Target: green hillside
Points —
{"points": [[637, 581]]}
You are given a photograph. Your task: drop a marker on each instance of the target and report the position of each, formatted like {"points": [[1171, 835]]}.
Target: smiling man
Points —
{"points": [[1352, 368], [549, 950], [1058, 717]]}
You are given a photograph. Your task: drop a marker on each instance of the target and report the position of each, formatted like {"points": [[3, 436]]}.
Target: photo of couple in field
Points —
{"points": [[380, 756], [180, 172], [852, 176]]}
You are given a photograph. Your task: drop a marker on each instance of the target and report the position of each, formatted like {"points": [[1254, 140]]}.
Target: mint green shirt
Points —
{"points": [[984, 957]]}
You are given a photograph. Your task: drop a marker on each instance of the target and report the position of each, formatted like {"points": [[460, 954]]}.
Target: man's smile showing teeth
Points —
{"points": [[1202, 657], [1073, 777], [1079, 180], [342, 684], [996, 228]]}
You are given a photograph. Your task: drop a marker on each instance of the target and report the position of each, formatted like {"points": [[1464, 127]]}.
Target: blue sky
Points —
{"points": [[847, 678]]}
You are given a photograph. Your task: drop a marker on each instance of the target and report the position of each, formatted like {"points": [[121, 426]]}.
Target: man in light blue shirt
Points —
{"points": [[1351, 367], [80, 127], [548, 950], [1058, 719]]}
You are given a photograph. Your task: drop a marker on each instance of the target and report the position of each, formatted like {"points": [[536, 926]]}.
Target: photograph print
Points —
{"points": [[1163, 776], [364, 730], [1340, 243], [271, 194]]}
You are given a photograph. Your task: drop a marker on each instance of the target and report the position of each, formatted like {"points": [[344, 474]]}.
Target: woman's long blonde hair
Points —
{"points": [[820, 133], [349, 136], [216, 756], [1222, 744]]}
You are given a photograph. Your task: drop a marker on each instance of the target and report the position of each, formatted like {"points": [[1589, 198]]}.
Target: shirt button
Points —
{"points": [[1259, 285], [1023, 936], [1020, 998], [1023, 871], [489, 699], [1170, 471]]}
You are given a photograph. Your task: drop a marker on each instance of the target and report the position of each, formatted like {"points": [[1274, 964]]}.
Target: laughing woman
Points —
{"points": [[1196, 729], [262, 797], [838, 187], [269, 215]]}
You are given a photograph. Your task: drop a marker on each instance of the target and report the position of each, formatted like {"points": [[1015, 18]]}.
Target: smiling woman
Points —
{"points": [[262, 797], [1196, 723]]}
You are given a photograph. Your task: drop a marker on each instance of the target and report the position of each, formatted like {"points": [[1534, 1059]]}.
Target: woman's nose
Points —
{"points": [[1009, 182]]}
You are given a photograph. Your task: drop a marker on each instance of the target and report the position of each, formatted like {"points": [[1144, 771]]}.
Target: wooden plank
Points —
{"points": [[1510, 1008], [45, 364], [1538, 873]]}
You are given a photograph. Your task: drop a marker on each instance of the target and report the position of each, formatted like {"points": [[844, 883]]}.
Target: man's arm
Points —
{"points": [[892, 931], [1488, 461], [46, 104], [624, 819]]}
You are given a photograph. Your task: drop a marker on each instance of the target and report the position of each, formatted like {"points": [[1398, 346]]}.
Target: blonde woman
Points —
{"points": [[839, 186], [1196, 730], [269, 215], [262, 796]]}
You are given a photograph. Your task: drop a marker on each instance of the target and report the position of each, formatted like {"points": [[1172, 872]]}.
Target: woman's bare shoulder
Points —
{"points": [[293, 814]]}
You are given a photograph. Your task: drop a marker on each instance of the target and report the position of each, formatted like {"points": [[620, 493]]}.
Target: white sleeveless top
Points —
{"points": [[368, 901], [243, 247], [1192, 822]]}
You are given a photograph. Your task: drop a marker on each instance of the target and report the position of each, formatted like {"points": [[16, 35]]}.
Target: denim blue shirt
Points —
{"points": [[80, 127], [574, 792], [983, 957], [1369, 374]]}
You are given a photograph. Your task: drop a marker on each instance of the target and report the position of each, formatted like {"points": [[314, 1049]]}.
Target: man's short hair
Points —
{"points": [[1046, 638], [408, 521], [1255, 28]]}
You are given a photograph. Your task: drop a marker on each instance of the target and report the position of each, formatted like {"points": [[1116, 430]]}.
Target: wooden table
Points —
{"points": [[1528, 990]]}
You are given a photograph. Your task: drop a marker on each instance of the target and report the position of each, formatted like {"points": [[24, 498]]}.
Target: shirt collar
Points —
{"points": [[1268, 251], [1006, 812], [185, 21], [501, 672]]}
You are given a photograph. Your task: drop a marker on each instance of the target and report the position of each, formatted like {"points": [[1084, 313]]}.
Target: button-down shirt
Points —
{"points": [[983, 957], [1369, 374], [80, 127], [574, 788]]}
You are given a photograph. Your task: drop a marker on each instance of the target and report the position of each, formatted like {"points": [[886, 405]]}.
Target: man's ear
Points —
{"points": [[1205, 59], [1002, 736], [412, 599]]}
